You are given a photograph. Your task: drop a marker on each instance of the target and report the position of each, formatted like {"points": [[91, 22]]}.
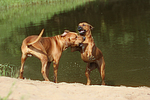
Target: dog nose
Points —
{"points": [[80, 44], [84, 38], [79, 28]]}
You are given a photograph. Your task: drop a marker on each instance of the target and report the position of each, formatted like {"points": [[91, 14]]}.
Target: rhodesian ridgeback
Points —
{"points": [[90, 53], [48, 49]]}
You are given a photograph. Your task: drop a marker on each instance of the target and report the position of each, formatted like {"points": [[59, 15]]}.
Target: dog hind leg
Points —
{"points": [[101, 70], [89, 68], [23, 58], [47, 68]]}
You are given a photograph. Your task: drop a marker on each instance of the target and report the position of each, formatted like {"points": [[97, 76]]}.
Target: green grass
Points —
{"points": [[16, 3], [8, 70]]}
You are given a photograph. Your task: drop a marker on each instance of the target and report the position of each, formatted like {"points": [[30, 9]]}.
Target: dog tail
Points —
{"points": [[37, 38]]}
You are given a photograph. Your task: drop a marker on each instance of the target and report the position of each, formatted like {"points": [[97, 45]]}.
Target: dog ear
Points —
{"points": [[91, 27], [64, 34], [67, 31]]}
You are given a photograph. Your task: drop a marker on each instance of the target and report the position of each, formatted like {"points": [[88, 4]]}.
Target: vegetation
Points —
{"points": [[8, 70], [17, 3]]}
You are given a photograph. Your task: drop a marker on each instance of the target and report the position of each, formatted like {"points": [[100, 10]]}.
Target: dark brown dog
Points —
{"points": [[48, 49], [90, 53]]}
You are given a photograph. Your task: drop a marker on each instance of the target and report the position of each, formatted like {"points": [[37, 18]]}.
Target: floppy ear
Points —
{"points": [[64, 34], [91, 27], [67, 31]]}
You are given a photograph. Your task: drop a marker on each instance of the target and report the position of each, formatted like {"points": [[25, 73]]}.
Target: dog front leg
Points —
{"points": [[90, 47], [47, 68], [55, 65], [90, 52], [44, 62]]}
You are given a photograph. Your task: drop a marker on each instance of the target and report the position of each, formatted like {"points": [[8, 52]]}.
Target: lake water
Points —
{"points": [[121, 31]]}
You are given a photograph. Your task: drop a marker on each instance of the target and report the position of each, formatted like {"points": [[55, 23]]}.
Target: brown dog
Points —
{"points": [[90, 53], [48, 49]]}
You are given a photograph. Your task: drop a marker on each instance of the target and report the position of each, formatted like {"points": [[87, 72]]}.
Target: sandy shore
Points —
{"points": [[41, 90]]}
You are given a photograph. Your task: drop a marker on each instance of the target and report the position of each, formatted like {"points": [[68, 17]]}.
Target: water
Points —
{"points": [[121, 31]]}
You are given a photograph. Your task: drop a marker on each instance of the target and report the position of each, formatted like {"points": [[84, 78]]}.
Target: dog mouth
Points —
{"points": [[81, 30], [80, 44]]}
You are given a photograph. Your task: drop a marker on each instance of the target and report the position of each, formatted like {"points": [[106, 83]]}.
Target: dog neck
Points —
{"points": [[89, 37], [88, 34], [83, 47], [64, 44], [61, 42]]}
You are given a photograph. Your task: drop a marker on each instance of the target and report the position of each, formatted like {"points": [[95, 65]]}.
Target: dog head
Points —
{"points": [[83, 28], [72, 38]]}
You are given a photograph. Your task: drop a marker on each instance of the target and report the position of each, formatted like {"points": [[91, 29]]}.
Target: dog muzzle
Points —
{"points": [[81, 30], [80, 44]]}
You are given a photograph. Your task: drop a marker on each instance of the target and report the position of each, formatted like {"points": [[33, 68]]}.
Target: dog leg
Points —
{"points": [[23, 58], [91, 50], [89, 68], [103, 73], [55, 65], [47, 68], [87, 74], [44, 62], [101, 70]]}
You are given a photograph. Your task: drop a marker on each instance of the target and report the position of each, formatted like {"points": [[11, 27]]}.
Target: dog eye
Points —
{"points": [[83, 24], [75, 37]]}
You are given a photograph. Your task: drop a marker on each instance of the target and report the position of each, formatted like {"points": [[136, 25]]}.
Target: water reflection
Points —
{"points": [[121, 31]]}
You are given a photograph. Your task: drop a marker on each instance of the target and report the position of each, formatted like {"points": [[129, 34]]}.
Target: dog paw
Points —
{"points": [[88, 55], [91, 57], [21, 78]]}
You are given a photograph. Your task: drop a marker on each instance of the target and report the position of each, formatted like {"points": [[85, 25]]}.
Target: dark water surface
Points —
{"points": [[121, 31]]}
